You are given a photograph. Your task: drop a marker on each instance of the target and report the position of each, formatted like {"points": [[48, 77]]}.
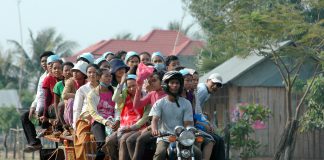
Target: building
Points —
{"points": [[256, 79], [166, 41], [9, 98]]}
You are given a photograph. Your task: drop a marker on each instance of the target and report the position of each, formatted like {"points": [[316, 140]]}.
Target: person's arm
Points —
{"points": [[156, 113], [117, 96], [188, 117], [141, 102], [77, 105], [154, 126], [91, 107], [143, 120], [68, 88], [48, 100]]}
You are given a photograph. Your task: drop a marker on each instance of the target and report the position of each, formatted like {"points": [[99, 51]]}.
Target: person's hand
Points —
{"points": [[31, 113], [55, 122], [209, 127], [123, 79], [155, 132], [43, 119], [115, 126]]}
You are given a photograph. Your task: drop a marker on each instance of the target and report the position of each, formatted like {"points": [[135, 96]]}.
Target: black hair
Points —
{"points": [[120, 53], [179, 68], [147, 53], [171, 58], [159, 73], [46, 54], [93, 65], [68, 64], [83, 59], [100, 72], [100, 63]]}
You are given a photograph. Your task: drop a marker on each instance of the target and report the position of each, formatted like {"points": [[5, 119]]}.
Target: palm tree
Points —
{"points": [[45, 40], [124, 36], [177, 26]]}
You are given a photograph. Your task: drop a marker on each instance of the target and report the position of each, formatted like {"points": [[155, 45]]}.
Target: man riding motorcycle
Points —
{"points": [[169, 112]]}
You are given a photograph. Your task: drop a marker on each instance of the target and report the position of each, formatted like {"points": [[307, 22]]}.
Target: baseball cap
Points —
{"points": [[216, 78]]}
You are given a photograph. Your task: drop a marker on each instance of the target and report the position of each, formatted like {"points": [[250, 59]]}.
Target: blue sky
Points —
{"points": [[88, 21]]}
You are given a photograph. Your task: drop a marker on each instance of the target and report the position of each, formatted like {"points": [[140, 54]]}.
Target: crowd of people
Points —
{"points": [[126, 98]]}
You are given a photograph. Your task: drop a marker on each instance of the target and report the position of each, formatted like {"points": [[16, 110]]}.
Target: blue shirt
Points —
{"points": [[203, 94]]}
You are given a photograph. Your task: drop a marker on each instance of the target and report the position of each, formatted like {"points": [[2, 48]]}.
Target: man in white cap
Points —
{"points": [[211, 86], [204, 90]]}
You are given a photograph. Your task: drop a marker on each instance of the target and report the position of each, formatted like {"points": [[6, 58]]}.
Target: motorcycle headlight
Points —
{"points": [[185, 153], [187, 138], [178, 130]]}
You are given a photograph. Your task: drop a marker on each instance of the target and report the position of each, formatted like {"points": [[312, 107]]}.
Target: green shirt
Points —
{"points": [[58, 88]]}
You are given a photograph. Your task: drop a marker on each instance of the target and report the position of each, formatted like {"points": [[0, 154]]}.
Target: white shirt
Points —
{"points": [[80, 101], [40, 94]]}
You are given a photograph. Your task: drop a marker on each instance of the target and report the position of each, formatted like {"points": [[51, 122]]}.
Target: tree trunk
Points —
{"points": [[287, 142], [5, 144]]}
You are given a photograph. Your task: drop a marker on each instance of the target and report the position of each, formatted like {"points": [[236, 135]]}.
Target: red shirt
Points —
{"points": [[48, 84], [130, 115]]}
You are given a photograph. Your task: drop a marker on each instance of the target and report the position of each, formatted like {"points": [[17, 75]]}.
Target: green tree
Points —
{"points": [[8, 76], [45, 40], [9, 118], [177, 26], [239, 27], [313, 119]]}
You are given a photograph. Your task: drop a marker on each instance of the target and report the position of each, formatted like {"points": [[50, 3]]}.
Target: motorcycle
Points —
{"points": [[181, 145]]}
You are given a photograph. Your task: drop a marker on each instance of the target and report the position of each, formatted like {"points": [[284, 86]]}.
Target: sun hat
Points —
{"points": [[81, 66], [117, 64]]}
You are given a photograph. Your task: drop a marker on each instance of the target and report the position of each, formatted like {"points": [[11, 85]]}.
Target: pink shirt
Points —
{"points": [[105, 107], [150, 98]]}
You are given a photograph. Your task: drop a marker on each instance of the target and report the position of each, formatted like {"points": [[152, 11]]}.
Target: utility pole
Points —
{"points": [[22, 60]]}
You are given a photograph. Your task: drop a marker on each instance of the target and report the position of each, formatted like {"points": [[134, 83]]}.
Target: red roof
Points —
{"points": [[156, 40]]}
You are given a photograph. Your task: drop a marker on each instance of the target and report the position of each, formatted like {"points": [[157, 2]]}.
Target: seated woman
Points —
{"points": [[129, 118], [80, 99], [78, 79], [101, 109]]}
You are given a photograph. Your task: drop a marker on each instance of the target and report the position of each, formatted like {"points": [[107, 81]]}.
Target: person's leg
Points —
{"points": [[197, 152], [112, 144], [219, 148], [29, 129], [161, 151], [123, 151], [98, 130], [207, 150], [141, 142], [131, 142]]}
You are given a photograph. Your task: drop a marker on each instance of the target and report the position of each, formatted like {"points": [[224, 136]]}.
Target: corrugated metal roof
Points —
{"points": [[9, 97], [236, 65]]}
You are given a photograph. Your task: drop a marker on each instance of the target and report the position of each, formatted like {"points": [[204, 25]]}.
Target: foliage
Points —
{"points": [[313, 118], [177, 26], [45, 40], [247, 27], [26, 98], [245, 116], [124, 36], [9, 118]]}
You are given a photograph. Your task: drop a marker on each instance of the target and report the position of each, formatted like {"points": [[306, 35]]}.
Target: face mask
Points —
{"points": [[104, 84], [159, 66]]}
